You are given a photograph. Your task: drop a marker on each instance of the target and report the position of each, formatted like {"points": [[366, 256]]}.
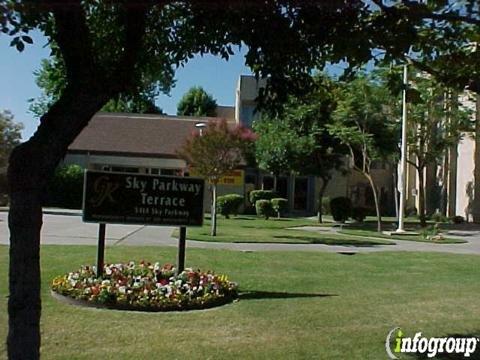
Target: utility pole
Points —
{"points": [[402, 181]]}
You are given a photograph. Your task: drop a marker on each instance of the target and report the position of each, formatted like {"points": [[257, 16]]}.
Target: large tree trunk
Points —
{"points": [[320, 198], [213, 230], [421, 198], [377, 202], [24, 304], [31, 165]]}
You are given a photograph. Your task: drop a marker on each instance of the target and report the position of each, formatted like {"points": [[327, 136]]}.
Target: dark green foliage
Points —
{"points": [[280, 206], [457, 219], [264, 208], [197, 102], [229, 204], [359, 213], [341, 208], [326, 205], [65, 189], [256, 195]]}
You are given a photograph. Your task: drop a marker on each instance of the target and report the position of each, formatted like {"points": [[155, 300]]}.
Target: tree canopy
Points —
{"points": [[212, 153], [197, 102]]}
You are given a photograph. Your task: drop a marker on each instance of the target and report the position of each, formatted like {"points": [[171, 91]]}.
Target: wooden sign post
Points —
{"points": [[101, 249]]}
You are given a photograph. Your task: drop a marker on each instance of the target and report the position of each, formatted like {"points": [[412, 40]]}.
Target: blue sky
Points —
{"points": [[218, 77]]}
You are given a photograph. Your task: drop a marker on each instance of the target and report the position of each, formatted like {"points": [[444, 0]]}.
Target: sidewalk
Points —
{"points": [[65, 227]]}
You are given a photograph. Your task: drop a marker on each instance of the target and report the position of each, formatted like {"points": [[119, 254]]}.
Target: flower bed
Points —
{"points": [[146, 287]]}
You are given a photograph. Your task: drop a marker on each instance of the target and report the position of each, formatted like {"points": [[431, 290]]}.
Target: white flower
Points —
{"points": [[106, 282], [108, 271], [122, 289]]}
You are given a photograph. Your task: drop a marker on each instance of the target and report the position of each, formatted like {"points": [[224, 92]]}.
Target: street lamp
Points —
{"points": [[200, 126]]}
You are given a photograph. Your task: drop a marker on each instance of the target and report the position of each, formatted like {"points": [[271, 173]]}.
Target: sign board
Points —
{"points": [[232, 178], [125, 198]]}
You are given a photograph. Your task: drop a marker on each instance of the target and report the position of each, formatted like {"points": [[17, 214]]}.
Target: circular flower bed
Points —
{"points": [[146, 287]]}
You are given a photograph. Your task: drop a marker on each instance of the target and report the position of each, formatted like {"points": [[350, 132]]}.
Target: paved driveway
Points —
{"points": [[69, 230]]}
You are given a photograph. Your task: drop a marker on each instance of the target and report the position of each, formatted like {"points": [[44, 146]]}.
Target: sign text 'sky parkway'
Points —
{"points": [[142, 199]]}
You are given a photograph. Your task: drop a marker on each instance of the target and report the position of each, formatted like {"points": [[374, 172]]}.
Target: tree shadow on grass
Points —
{"points": [[253, 295], [334, 241], [453, 356]]}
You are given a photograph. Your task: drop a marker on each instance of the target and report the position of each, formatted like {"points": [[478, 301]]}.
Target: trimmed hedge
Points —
{"points": [[341, 208], [256, 195], [229, 204], [359, 213], [279, 205], [264, 208]]}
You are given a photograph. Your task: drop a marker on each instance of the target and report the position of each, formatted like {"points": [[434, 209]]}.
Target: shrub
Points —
{"points": [[279, 205], [359, 213], [264, 208], [256, 195], [65, 189], [438, 217], [229, 204], [457, 219], [411, 211], [341, 208], [326, 206]]}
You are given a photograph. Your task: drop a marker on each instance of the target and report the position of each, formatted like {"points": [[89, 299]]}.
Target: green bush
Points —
{"points": [[341, 208], [438, 217], [280, 206], [256, 195], [359, 213], [229, 204], [326, 206], [65, 189], [264, 208], [457, 219]]}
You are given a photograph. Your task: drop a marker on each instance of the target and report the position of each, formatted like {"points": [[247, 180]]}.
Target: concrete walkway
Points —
{"points": [[65, 227]]}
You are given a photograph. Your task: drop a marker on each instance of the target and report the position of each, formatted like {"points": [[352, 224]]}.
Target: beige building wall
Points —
{"points": [[465, 176]]}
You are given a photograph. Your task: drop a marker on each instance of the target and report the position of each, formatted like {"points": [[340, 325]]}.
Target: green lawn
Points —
{"points": [[296, 305], [250, 229]]}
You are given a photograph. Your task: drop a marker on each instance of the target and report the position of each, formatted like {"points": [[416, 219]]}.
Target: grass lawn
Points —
{"points": [[296, 305], [250, 229]]}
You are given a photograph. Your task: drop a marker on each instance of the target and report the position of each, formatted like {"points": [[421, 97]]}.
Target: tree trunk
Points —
{"points": [[275, 180], [320, 198], [377, 202], [31, 164], [421, 198], [24, 303], [213, 214]]}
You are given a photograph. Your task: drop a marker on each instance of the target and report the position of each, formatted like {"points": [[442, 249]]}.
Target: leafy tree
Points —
{"points": [[197, 102], [113, 48], [366, 127], [297, 139], [278, 149], [10, 138], [435, 123], [51, 78], [218, 150]]}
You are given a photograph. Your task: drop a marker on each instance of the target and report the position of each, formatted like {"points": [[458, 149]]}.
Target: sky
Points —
{"points": [[217, 76]]}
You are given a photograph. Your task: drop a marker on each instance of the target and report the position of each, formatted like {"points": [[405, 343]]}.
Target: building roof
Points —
{"points": [[226, 112], [135, 134]]}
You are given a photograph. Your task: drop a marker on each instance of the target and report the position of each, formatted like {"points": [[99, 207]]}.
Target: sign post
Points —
{"points": [[181, 249], [101, 249]]}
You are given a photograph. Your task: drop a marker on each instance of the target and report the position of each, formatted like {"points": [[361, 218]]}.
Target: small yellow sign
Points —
{"points": [[233, 178]]}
